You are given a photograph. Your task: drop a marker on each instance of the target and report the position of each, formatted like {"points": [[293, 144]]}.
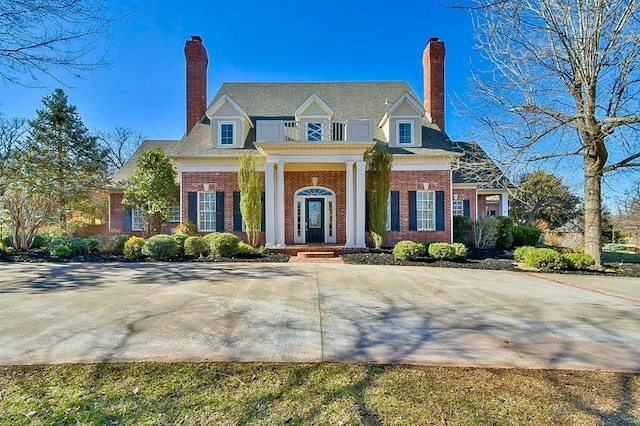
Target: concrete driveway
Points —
{"points": [[55, 313]]}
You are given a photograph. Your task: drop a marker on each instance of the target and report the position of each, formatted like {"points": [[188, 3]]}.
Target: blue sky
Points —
{"points": [[143, 88]]}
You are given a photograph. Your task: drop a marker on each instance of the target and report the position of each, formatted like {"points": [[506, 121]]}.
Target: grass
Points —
{"points": [[617, 257], [347, 394]]}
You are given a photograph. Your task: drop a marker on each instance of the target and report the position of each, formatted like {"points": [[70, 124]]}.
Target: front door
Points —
{"points": [[314, 219]]}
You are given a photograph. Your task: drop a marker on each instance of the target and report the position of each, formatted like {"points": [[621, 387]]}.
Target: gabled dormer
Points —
{"points": [[230, 123], [314, 116], [402, 122]]}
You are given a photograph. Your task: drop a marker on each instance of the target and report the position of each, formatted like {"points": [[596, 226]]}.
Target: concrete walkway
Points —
{"points": [[55, 313]]}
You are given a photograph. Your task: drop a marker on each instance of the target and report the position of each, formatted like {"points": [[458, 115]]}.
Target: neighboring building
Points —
{"points": [[313, 140]]}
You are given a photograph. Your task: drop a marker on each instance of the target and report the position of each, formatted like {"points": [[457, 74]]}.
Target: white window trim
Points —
{"points": [[137, 214], [454, 209], [174, 219], [433, 211], [306, 130], [233, 129], [398, 123], [200, 229]]}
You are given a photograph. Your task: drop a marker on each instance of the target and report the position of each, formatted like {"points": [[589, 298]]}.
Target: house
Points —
{"points": [[313, 140]]}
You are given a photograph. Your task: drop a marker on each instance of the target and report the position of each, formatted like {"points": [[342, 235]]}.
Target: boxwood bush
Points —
{"points": [[77, 245], [195, 246], [520, 253], [223, 244], [460, 250], [160, 247], [133, 247], [244, 248], [408, 250], [525, 235], [61, 250], [180, 239], [442, 251], [578, 260], [544, 258]]}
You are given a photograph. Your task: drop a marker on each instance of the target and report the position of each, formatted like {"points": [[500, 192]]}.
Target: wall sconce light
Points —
{"points": [[425, 186]]}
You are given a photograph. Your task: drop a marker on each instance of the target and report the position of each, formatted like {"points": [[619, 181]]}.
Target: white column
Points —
{"points": [[350, 207], [504, 204], [280, 206], [269, 205], [360, 203]]}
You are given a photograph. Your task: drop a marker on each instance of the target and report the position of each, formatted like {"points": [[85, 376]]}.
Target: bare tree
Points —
{"points": [[39, 38], [629, 217], [563, 84], [12, 132], [121, 143]]}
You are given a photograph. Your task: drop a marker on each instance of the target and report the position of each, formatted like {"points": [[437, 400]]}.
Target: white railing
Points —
{"points": [[314, 131]]}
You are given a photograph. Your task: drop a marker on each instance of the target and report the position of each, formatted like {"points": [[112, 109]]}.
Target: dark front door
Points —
{"points": [[314, 219]]}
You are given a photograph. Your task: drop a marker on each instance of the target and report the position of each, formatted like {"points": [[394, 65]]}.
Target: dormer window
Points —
{"points": [[405, 132], [226, 133], [314, 132]]}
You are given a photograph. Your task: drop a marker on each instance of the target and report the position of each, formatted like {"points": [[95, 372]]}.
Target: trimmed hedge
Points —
{"points": [[61, 250], [244, 248], [442, 251], [578, 260], [223, 244], [525, 235], [195, 246], [160, 247], [133, 247], [460, 250], [408, 250], [180, 239], [545, 258], [77, 245], [521, 252]]}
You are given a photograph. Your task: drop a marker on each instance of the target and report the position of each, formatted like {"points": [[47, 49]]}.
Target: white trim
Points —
{"points": [[419, 167], [314, 97], [211, 111], [412, 124], [140, 212], [420, 111], [433, 194], [214, 211], [299, 216]]}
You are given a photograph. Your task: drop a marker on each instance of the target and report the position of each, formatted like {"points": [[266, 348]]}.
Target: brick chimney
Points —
{"points": [[433, 66], [197, 62]]}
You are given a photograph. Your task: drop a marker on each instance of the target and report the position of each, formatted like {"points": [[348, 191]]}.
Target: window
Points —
{"points": [[225, 133], [314, 132], [405, 132], [174, 213], [207, 211], [458, 208], [425, 209], [138, 218]]}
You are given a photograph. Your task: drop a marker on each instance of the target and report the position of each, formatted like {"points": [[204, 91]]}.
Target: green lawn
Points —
{"points": [[616, 256], [278, 394]]}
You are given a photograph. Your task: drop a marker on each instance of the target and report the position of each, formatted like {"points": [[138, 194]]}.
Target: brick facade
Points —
{"points": [[197, 62], [467, 194], [433, 68]]}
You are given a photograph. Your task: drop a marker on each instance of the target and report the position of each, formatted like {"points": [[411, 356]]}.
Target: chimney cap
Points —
{"points": [[196, 38], [434, 39]]}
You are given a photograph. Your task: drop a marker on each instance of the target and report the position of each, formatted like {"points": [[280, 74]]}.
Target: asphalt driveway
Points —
{"points": [[55, 313]]}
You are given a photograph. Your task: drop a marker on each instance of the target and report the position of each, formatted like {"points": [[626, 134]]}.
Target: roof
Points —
{"points": [[475, 166], [125, 173]]}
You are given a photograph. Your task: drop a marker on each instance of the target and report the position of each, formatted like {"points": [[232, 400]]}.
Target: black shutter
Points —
{"points": [[367, 221], [219, 211], [440, 210], [413, 214], [192, 207], [128, 219], [262, 224], [237, 215], [395, 210], [466, 208]]}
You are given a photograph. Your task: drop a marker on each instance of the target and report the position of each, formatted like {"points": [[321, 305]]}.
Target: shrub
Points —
{"points": [[244, 248], [505, 234], [187, 228], [208, 238], [38, 242], [160, 247], [520, 253], [133, 247], [77, 245], [460, 250], [263, 250], [408, 250], [525, 235], [224, 244], [61, 250], [578, 260], [486, 230], [111, 243], [195, 246], [462, 229], [7, 241], [442, 251], [545, 258], [180, 239], [92, 243]]}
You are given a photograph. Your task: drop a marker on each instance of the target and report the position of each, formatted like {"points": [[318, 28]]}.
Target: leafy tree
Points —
{"points": [[563, 84], [121, 143], [41, 37], [543, 196], [378, 187], [152, 187], [250, 197], [67, 163]]}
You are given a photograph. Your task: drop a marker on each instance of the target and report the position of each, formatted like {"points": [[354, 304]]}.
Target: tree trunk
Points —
{"points": [[592, 213]]}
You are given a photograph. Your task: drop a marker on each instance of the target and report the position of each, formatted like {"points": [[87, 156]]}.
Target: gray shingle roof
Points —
{"points": [[169, 147], [476, 166]]}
